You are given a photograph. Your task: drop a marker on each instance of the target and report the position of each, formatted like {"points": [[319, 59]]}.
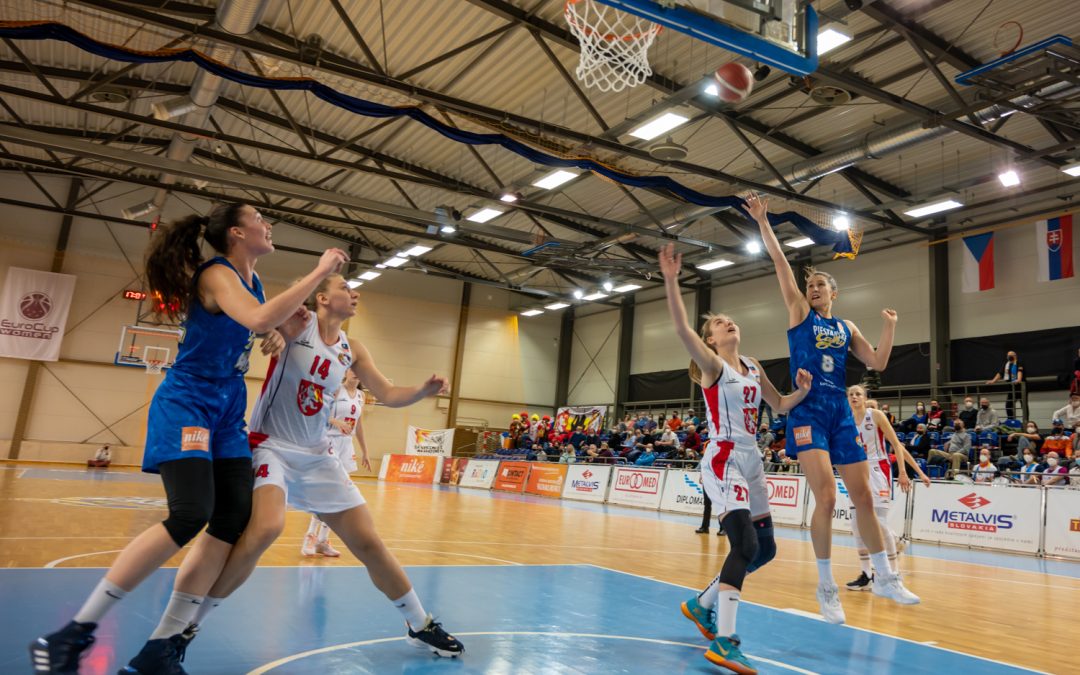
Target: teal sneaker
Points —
{"points": [[725, 652], [703, 618]]}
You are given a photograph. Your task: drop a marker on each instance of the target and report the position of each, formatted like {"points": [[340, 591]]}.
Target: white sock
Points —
{"points": [[707, 597], [205, 608], [104, 596], [179, 614], [880, 561], [410, 608], [824, 572], [727, 604], [313, 526], [324, 534], [864, 563]]}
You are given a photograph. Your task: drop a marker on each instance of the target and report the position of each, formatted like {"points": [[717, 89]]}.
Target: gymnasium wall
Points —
{"points": [[655, 345], [594, 359]]}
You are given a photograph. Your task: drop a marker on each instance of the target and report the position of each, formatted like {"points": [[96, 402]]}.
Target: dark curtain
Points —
{"points": [[1041, 352], [664, 385]]}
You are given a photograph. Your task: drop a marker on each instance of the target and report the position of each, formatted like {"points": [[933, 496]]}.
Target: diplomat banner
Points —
{"points": [[586, 482], [429, 442], [683, 492], [511, 476], [636, 487], [1063, 522], [843, 519], [991, 516], [787, 497], [546, 480], [410, 469], [33, 313], [479, 473]]}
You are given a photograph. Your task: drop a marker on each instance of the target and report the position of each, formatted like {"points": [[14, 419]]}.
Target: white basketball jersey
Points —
{"points": [[731, 406], [346, 408], [295, 404], [872, 438]]}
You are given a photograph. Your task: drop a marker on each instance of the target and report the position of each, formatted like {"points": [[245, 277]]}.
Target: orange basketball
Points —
{"points": [[734, 82]]}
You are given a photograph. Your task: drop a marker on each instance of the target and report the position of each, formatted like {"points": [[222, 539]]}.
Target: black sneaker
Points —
{"points": [[160, 657], [863, 583], [59, 652], [701, 530], [433, 637]]}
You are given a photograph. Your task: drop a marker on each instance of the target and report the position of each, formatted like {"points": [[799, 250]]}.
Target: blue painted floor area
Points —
{"points": [[512, 619], [94, 475]]}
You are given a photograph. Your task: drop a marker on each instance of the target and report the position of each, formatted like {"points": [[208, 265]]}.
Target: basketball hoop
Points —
{"points": [[614, 45], [154, 367]]}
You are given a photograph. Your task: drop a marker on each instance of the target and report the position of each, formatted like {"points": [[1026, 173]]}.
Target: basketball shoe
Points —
{"points": [[863, 583], [59, 652], [160, 657], [829, 599], [433, 637], [892, 587], [703, 617], [725, 652]]}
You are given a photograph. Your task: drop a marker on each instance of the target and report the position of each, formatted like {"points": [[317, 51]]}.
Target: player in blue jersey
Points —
{"points": [[196, 435], [821, 432]]}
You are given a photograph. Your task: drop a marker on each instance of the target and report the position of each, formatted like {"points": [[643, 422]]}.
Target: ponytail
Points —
{"points": [[695, 373]]}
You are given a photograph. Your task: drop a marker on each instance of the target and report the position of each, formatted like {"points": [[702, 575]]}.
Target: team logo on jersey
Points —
{"points": [[344, 359], [750, 419], [826, 337], [303, 343], [309, 397]]}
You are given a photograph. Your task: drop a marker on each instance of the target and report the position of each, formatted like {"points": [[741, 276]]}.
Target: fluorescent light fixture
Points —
{"points": [[484, 215], [579, 294], [370, 275], [557, 305], [448, 229], [753, 247], [799, 243], [1072, 169], [555, 178], [659, 126], [138, 211], [841, 222], [608, 286], [415, 250], [714, 264], [936, 207], [1009, 178], [396, 261], [532, 312], [711, 89], [829, 39], [508, 197], [595, 296], [354, 283], [625, 288], [381, 266]]}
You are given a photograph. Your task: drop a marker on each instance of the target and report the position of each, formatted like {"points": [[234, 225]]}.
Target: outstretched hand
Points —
{"points": [[757, 207], [272, 344], [435, 385], [803, 379], [889, 315], [331, 261], [670, 262]]}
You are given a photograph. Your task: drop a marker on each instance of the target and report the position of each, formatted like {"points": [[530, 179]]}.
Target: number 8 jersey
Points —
{"points": [[295, 403], [820, 346]]}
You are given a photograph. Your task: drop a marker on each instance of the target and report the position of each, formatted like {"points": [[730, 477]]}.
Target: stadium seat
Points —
{"points": [[1013, 423], [936, 471]]}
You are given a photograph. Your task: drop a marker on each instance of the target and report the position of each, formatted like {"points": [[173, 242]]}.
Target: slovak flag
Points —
{"points": [[1054, 248], [979, 262]]}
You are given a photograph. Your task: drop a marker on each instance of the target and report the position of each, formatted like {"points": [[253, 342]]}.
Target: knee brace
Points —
{"points": [[744, 548], [766, 544], [185, 521], [233, 483]]}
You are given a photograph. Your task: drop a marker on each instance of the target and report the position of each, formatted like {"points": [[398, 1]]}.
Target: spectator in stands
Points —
{"points": [[568, 456], [1057, 441], [984, 471], [918, 418], [543, 431], [692, 441], [641, 421], [577, 439], [987, 417], [1054, 474], [650, 424], [765, 438], [589, 452], [968, 413], [1028, 439], [647, 457], [957, 450], [668, 442], [1011, 373], [936, 418], [891, 417], [1076, 442], [691, 418], [1070, 414], [919, 446], [605, 455], [102, 458], [1029, 472], [674, 421]]}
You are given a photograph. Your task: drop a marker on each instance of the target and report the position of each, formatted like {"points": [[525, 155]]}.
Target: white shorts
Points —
{"points": [[311, 482], [881, 483], [735, 481], [342, 448]]}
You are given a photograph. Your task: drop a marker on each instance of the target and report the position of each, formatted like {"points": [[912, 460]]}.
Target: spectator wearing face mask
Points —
{"points": [[692, 441], [888, 415], [1054, 474], [1070, 414], [968, 413], [936, 418], [1029, 472], [919, 446], [919, 417], [646, 458], [987, 417], [957, 450], [568, 456], [765, 438], [1011, 373], [984, 471], [1026, 440], [1057, 441]]}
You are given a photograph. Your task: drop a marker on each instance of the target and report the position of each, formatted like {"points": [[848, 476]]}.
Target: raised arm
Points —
{"points": [[797, 306], [877, 359], [705, 358], [902, 455], [784, 404], [392, 396]]}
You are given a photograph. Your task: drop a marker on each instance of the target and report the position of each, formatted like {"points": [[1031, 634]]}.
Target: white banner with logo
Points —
{"points": [[633, 486], [586, 482], [683, 492], [1063, 522], [33, 313], [429, 442], [787, 496], [991, 516], [589, 418], [479, 473], [843, 519]]}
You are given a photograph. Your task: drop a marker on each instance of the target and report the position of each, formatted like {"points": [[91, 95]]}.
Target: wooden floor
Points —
{"points": [[53, 518]]}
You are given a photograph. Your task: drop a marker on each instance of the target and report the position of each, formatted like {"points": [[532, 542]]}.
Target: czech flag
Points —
{"points": [[1054, 247], [979, 262]]}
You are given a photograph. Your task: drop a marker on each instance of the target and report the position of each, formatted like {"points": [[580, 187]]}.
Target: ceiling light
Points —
{"points": [[829, 39], [660, 125], [841, 222], [753, 246], [448, 229], [380, 266], [936, 207], [508, 197], [711, 89], [396, 261], [1009, 178], [173, 107], [579, 294], [139, 210], [1072, 169], [354, 283], [595, 296], [608, 286], [484, 215], [714, 264], [532, 312], [799, 243], [555, 179], [626, 288], [370, 275], [415, 250], [557, 305]]}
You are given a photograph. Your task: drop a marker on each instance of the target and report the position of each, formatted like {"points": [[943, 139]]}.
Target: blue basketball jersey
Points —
{"points": [[820, 346], [213, 345]]}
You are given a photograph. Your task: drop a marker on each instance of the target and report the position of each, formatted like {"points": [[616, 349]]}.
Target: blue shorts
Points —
{"points": [[824, 422], [194, 417]]}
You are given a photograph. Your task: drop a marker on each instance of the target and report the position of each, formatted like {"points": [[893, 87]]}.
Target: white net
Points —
{"points": [[154, 367], [614, 45]]}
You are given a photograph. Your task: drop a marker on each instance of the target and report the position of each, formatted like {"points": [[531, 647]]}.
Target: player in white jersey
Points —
{"points": [[732, 471], [874, 431], [293, 464], [345, 411]]}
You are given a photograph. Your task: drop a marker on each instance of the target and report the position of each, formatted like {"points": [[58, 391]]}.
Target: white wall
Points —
{"points": [[594, 359], [655, 345]]}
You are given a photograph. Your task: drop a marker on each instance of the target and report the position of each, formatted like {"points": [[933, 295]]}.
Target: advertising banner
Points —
{"points": [[1063, 522], [633, 486], [546, 480], [990, 516], [511, 476], [683, 492], [33, 313], [590, 418], [410, 469], [844, 516], [586, 482], [452, 470], [479, 473], [787, 496], [429, 441]]}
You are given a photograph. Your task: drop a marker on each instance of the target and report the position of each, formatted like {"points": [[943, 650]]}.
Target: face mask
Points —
{"points": [[1027, 458], [985, 406], [1031, 430], [1011, 359], [920, 409], [1051, 462], [934, 408], [984, 458], [969, 405]]}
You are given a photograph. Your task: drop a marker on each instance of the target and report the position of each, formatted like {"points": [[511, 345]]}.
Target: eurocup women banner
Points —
{"points": [[429, 442], [589, 418], [33, 313]]}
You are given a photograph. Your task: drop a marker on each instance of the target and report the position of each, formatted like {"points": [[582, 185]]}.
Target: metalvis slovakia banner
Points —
{"points": [[586, 482], [33, 313], [589, 418], [429, 442], [991, 516]]}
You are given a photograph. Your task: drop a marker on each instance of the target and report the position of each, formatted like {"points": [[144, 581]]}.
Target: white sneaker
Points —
{"points": [[324, 548], [901, 544], [892, 587], [828, 598], [308, 548]]}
